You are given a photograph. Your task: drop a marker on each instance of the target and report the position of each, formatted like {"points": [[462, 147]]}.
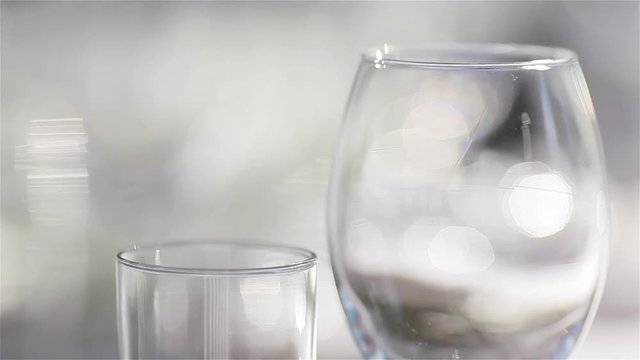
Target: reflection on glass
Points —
{"points": [[541, 205], [368, 248], [461, 250], [539, 201], [262, 300]]}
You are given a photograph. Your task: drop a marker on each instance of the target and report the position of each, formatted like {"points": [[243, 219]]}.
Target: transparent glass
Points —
{"points": [[216, 300], [468, 213]]}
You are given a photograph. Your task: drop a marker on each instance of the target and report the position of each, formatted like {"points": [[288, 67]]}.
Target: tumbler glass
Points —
{"points": [[216, 300]]}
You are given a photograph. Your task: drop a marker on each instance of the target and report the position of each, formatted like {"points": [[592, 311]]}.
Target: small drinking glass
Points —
{"points": [[216, 300]]}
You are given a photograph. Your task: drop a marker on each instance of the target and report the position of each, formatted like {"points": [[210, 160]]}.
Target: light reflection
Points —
{"points": [[436, 127], [541, 204], [300, 305], [472, 195], [367, 247], [170, 306], [601, 214], [408, 158], [425, 152], [461, 250], [378, 60], [538, 67], [455, 250], [386, 167], [262, 300], [415, 242], [439, 123], [441, 119], [54, 160], [462, 100]]}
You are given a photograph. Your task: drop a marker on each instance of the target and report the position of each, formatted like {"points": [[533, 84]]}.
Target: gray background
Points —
{"points": [[219, 119]]}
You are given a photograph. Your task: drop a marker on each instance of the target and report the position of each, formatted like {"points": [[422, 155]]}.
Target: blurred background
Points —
{"points": [[129, 122]]}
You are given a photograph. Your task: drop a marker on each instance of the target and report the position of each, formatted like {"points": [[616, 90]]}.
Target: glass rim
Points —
{"points": [[537, 57], [309, 258]]}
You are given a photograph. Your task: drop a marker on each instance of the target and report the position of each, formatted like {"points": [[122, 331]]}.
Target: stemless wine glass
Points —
{"points": [[467, 213], [216, 300]]}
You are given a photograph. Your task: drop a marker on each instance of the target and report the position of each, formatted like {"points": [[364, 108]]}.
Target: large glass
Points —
{"points": [[216, 300], [468, 215]]}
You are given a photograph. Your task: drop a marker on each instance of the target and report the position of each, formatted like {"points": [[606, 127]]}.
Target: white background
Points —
{"points": [[219, 119]]}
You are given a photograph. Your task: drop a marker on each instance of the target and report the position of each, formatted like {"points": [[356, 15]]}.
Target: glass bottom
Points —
{"points": [[388, 341]]}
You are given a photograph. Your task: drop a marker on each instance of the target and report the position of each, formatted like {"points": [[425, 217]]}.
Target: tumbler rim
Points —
{"points": [[530, 57], [309, 258]]}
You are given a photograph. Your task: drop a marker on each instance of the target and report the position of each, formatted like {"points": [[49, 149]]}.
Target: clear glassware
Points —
{"points": [[467, 212], [216, 300]]}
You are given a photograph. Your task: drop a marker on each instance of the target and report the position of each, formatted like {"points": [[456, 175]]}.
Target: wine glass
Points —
{"points": [[467, 212]]}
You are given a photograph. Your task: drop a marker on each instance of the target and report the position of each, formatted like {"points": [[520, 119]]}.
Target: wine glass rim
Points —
{"points": [[309, 258], [534, 57]]}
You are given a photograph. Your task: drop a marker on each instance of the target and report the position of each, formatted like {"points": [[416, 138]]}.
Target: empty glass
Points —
{"points": [[216, 300], [467, 211]]}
